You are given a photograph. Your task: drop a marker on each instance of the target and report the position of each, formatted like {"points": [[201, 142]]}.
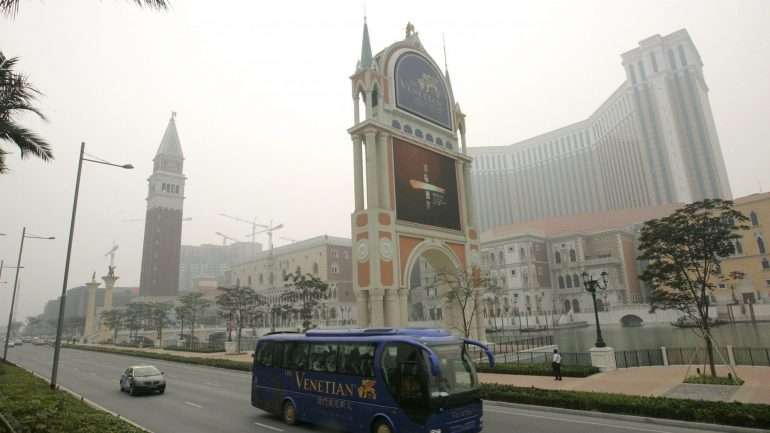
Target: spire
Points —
{"points": [[170, 145], [366, 50]]}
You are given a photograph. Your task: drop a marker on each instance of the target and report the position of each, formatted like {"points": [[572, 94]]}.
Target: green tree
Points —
{"points": [[134, 318], [194, 305], [17, 97], [113, 320], [158, 317], [237, 304], [684, 252], [304, 293], [463, 291], [182, 315], [11, 7]]}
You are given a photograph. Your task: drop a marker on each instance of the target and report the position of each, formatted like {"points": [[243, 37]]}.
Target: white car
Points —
{"points": [[11, 344]]}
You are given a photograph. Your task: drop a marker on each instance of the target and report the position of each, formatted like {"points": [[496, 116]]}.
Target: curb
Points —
{"points": [[630, 418], [83, 399]]}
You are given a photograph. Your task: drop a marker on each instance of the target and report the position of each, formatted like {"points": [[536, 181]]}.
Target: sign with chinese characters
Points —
{"points": [[420, 90], [426, 186]]}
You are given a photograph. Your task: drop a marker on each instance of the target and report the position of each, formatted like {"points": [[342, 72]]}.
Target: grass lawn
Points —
{"points": [[29, 405]]}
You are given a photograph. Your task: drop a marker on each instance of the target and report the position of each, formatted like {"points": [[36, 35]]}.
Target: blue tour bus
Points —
{"points": [[370, 380]]}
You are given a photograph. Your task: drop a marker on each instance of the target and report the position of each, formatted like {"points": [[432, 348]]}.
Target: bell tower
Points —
{"points": [[163, 221], [411, 180]]}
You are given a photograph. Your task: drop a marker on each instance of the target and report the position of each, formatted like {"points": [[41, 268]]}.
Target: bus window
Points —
{"points": [[323, 358], [265, 354], [356, 359], [277, 353], [405, 373], [296, 356]]}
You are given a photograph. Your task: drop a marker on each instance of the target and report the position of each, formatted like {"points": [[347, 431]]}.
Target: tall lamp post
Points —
{"points": [[18, 266], [592, 286], [57, 345]]}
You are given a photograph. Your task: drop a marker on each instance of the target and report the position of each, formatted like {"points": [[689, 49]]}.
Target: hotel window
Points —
{"points": [[439, 141], [754, 218], [765, 264], [654, 62], [522, 253], [761, 245], [738, 247], [418, 133], [557, 256], [682, 57], [396, 124], [641, 71], [561, 282], [572, 256], [407, 129], [569, 282], [429, 138]]}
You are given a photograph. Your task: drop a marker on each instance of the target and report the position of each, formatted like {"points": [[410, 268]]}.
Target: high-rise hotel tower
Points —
{"points": [[652, 142]]}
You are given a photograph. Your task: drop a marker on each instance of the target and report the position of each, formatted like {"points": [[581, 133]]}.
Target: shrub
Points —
{"points": [[30, 406], [709, 380], [209, 362], [538, 370], [716, 412]]}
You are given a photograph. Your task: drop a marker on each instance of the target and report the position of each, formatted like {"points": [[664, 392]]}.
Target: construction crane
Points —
{"points": [[226, 238], [269, 229]]}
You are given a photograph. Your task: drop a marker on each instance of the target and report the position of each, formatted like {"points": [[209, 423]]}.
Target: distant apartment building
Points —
{"points": [[538, 265], [327, 257], [77, 298], [209, 261], [653, 142], [746, 274]]}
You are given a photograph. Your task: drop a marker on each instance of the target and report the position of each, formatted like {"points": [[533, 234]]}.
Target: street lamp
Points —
{"points": [[18, 266], [57, 345], [591, 287]]}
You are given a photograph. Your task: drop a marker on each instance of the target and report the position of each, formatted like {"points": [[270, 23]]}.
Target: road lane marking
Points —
{"points": [[189, 403], [268, 426], [567, 420]]}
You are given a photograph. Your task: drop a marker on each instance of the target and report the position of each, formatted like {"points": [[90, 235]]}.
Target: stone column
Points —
{"points": [[109, 284], [372, 182], [90, 326], [362, 308], [384, 176], [392, 310], [358, 172], [403, 306], [479, 327], [377, 319]]}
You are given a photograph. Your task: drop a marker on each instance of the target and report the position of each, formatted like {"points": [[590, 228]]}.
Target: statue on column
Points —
{"points": [[409, 29]]}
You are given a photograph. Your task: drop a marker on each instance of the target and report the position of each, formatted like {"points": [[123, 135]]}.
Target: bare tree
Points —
{"points": [[464, 290]]}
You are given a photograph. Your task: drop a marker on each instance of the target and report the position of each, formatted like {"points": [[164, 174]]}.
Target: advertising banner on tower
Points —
{"points": [[426, 186]]}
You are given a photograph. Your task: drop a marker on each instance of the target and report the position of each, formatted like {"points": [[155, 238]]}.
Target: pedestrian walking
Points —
{"points": [[556, 364]]}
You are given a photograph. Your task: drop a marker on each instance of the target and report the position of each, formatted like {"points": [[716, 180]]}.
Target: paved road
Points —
{"points": [[204, 399]]}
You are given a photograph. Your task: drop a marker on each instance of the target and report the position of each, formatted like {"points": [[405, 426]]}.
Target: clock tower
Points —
{"points": [[163, 221], [412, 185]]}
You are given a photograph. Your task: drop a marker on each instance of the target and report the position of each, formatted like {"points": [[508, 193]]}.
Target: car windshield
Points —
{"points": [[457, 371], [146, 371]]}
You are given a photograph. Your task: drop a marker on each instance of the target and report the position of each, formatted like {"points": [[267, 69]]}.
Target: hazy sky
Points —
{"points": [[264, 101]]}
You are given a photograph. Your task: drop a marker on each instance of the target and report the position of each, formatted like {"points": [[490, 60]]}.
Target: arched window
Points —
{"points": [[522, 252], [315, 268], [561, 282], [572, 256], [500, 255], [375, 97], [492, 257], [567, 306], [761, 245], [754, 219], [449, 145], [738, 247], [396, 124], [575, 306], [407, 129], [418, 133], [765, 264], [439, 141], [576, 280], [557, 256], [429, 138], [569, 282]]}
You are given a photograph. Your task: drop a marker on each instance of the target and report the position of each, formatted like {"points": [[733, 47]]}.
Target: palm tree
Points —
{"points": [[10, 7], [16, 97]]}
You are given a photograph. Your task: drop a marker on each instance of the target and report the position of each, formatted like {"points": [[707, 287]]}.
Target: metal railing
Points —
{"points": [[752, 356], [638, 358]]}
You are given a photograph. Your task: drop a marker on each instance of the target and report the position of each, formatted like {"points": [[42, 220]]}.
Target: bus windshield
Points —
{"points": [[457, 372]]}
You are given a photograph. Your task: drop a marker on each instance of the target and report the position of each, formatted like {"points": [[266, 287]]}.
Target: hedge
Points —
{"points": [[715, 412], [710, 380], [29, 405], [538, 370], [209, 362]]}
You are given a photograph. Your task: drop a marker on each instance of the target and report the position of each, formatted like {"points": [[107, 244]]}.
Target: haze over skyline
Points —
{"points": [[264, 101]]}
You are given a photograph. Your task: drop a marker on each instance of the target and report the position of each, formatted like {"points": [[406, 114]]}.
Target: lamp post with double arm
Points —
{"points": [[592, 286], [18, 266], [57, 344]]}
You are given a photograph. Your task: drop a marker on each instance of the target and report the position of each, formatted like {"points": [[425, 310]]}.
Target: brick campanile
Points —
{"points": [[163, 221]]}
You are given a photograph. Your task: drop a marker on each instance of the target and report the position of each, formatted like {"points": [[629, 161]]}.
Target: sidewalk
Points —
{"points": [[645, 381], [649, 381]]}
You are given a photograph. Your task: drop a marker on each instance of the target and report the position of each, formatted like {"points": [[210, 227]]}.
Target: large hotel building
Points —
{"points": [[652, 142]]}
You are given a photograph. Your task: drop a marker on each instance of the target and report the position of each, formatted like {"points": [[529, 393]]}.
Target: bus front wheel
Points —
{"points": [[289, 413], [382, 426]]}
